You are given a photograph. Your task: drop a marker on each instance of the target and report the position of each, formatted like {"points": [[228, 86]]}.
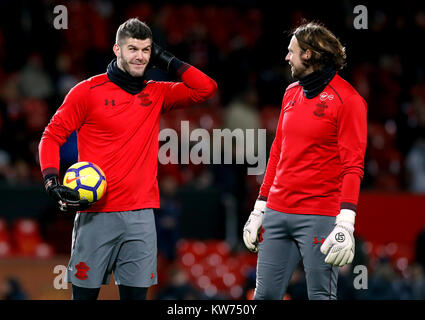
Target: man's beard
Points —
{"points": [[298, 73], [126, 66], [301, 71]]}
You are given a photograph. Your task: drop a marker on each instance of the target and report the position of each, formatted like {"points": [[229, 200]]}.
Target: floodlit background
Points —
{"points": [[242, 45]]}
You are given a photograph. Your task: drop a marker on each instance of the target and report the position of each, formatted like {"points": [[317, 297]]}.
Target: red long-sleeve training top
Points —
{"points": [[119, 132], [317, 158]]}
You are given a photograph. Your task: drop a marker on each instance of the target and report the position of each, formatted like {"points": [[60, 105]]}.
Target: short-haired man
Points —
{"points": [[307, 203], [116, 116]]}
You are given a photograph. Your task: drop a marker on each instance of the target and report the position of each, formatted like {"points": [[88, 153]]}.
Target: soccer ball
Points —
{"points": [[87, 178]]}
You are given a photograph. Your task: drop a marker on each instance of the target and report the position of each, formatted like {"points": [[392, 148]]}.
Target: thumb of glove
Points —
{"points": [[253, 235], [324, 248]]}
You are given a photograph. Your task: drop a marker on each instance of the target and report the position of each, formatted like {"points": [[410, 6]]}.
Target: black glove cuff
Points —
{"points": [[174, 66], [263, 198], [348, 205], [164, 60], [50, 171], [51, 181], [167, 61]]}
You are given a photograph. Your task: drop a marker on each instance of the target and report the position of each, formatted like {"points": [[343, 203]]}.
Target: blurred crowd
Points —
{"points": [[239, 47], [242, 45]]}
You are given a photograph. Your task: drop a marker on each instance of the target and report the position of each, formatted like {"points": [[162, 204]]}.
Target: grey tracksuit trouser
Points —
{"points": [[287, 238]]}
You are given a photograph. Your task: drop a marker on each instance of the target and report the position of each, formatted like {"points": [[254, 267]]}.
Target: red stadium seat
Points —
{"points": [[5, 249], [248, 261], [218, 247], [44, 250], [233, 263], [5, 246], [236, 291], [213, 268], [196, 247], [26, 237], [4, 233]]}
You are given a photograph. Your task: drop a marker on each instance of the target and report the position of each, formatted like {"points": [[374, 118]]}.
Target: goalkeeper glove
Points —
{"points": [[164, 60], [67, 198], [340, 242], [253, 225]]}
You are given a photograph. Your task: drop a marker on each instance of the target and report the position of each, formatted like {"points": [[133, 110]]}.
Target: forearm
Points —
{"points": [[350, 191], [201, 87], [270, 172], [352, 139], [275, 153], [195, 88], [48, 150]]}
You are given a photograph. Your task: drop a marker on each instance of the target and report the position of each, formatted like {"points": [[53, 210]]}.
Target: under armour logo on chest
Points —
{"points": [[112, 102]]}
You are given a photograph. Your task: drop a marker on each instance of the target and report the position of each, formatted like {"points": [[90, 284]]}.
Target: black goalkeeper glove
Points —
{"points": [[68, 199], [164, 60]]}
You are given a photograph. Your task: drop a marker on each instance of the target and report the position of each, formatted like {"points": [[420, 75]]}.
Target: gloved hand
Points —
{"points": [[68, 199], [253, 225], [340, 242], [161, 58], [166, 61]]}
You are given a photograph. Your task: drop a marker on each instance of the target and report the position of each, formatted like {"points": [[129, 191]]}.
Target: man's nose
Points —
{"points": [[139, 55]]}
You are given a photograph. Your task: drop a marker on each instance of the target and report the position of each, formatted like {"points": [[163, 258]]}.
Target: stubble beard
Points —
{"points": [[126, 66], [298, 73]]}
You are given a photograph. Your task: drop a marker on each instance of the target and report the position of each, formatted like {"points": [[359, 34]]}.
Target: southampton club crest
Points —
{"points": [[320, 109]]}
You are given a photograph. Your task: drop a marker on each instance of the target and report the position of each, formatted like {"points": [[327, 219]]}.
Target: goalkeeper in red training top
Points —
{"points": [[116, 116], [307, 203]]}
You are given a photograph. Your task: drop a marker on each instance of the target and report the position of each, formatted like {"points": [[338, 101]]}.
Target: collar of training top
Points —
{"points": [[124, 80], [315, 82]]}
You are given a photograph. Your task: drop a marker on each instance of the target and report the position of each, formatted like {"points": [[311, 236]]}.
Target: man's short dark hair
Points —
{"points": [[133, 28]]}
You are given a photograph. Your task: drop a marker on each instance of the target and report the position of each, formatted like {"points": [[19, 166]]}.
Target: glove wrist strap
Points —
{"points": [[260, 205], [174, 65], [48, 172], [257, 213], [346, 219], [50, 181], [346, 215]]}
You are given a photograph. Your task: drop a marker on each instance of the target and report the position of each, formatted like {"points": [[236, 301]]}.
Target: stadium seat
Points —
{"points": [[5, 246], [5, 249], [44, 250], [26, 237], [248, 261], [218, 247], [4, 233], [212, 267], [236, 291]]}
